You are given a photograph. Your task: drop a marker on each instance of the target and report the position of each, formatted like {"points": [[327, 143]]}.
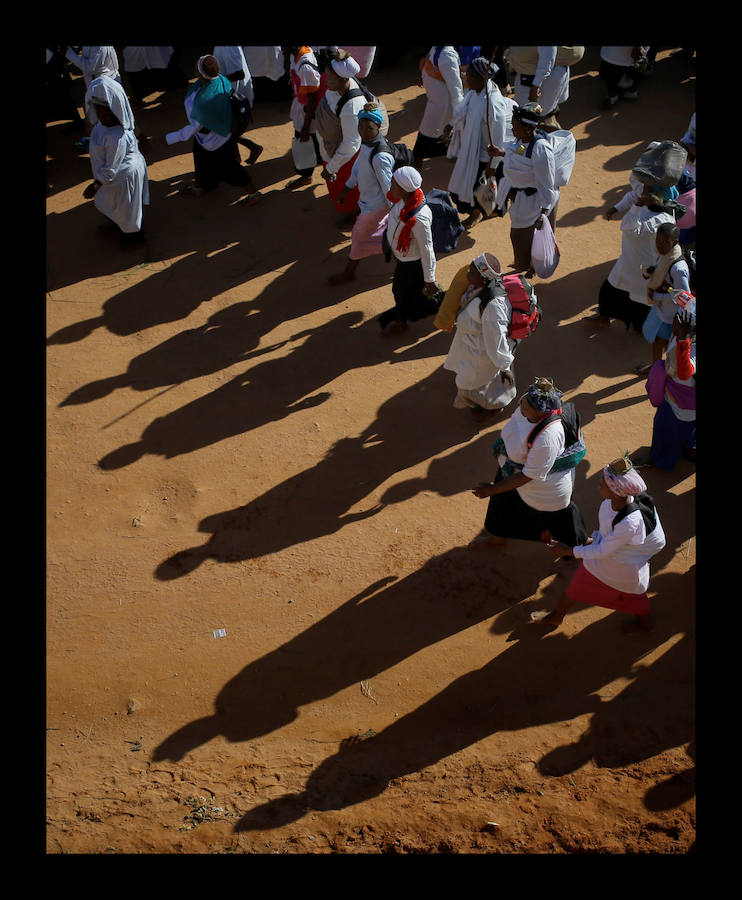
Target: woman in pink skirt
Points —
{"points": [[614, 567], [372, 175]]}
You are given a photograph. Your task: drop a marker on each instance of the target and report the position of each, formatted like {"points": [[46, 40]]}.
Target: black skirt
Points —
{"points": [[509, 516], [410, 303], [428, 147], [213, 166], [617, 304]]}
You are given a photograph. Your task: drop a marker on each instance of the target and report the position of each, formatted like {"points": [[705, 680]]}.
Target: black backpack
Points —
{"points": [[241, 114], [570, 422], [400, 152], [574, 443], [445, 228], [645, 504]]}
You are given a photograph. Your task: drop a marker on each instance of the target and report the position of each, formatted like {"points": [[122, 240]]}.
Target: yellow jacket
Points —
{"points": [[451, 303]]}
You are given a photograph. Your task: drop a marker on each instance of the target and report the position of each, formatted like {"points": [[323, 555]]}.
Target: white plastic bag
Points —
{"points": [[304, 154], [485, 194], [544, 250]]}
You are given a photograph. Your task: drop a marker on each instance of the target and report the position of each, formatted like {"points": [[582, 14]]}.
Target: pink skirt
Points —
{"points": [[367, 232], [586, 588]]}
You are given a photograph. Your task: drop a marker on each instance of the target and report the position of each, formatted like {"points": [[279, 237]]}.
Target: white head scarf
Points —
{"points": [[408, 178], [103, 61], [626, 484], [105, 90], [345, 68]]}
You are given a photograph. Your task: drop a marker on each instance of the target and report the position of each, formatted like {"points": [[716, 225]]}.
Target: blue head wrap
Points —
{"points": [[543, 396], [373, 114]]}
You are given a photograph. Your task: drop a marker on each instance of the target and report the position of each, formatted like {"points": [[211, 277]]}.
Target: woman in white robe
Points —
{"points": [[481, 352], [440, 75], [474, 131], [120, 187]]}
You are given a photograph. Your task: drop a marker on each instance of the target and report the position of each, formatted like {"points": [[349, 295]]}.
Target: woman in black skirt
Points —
{"points": [[410, 241], [216, 156], [531, 499]]}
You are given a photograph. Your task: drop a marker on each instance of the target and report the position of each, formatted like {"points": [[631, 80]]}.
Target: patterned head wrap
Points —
{"points": [[622, 478], [543, 396], [487, 265], [374, 114], [482, 68], [529, 114]]}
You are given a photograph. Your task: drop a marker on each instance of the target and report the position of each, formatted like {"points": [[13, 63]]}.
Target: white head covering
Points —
{"points": [[408, 178], [105, 90], [345, 68], [201, 70], [487, 265], [103, 61], [627, 483]]}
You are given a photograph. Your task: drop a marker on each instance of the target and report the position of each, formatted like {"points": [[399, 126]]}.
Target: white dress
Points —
{"points": [[480, 351], [551, 78], [232, 59], [638, 246], [120, 167]]}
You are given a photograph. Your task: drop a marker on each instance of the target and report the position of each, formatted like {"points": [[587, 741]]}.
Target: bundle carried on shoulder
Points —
{"points": [[524, 60], [661, 164]]}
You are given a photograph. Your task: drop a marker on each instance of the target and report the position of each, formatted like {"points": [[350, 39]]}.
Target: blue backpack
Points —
{"points": [[446, 227]]}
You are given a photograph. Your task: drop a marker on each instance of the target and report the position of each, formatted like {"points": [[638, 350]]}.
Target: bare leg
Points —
{"points": [[348, 273], [555, 618]]}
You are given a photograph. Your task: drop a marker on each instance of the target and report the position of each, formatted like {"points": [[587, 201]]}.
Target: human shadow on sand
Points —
{"points": [[325, 491], [533, 682], [387, 622]]}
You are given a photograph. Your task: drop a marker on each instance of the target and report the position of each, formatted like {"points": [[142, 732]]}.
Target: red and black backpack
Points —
{"points": [[526, 313]]}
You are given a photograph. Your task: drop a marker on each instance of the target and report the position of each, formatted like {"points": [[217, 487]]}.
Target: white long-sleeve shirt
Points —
{"points": [[619, 557], [210, 141], [348, 147], [553, 80], [421, 238], [546, 491], [373, 179], [231, 59]]}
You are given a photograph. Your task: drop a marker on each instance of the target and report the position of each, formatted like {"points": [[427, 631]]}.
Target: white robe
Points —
{"points": [[523, 172], [442, 96], [471, 136], [480, 351], [120, 167], [265, 62], [138, 58], [95, 61], [551, 78]]}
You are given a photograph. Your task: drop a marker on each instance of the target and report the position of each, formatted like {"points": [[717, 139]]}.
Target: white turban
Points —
{"points": [[345, 68], [408, 178]]}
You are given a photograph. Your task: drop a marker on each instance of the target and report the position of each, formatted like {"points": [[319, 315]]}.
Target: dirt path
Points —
{"points": [[232, 446]]}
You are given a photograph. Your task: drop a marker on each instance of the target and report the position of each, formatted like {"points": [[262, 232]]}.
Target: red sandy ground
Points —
{"points": [[278, 470]]}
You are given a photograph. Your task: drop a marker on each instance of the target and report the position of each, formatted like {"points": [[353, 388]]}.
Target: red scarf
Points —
{"points": [[415, 199]]}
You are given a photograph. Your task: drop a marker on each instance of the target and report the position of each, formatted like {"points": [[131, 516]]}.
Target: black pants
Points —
{"points": [[410, 303], [611, 75], [213, 166]]}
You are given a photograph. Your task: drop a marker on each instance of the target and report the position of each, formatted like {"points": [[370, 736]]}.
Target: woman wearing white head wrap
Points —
{"points": [[409, 238], [481, 352], [120, 187], [95, 61], [345, 99], [614, 568]]}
